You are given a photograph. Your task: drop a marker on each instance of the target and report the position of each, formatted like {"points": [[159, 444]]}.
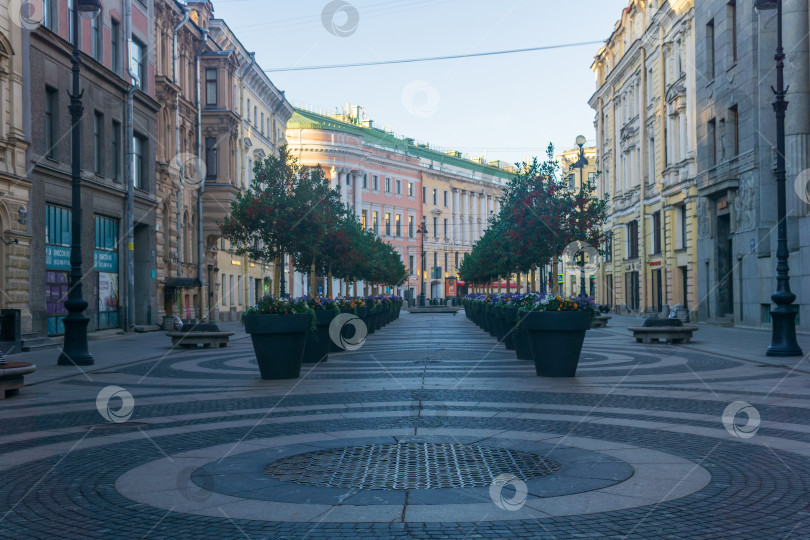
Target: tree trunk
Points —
{"points": [[518, 283], [329, 284], [276, 278], [533, 284], [555, 283], [312, 291], [355, 287], [508, 283]]}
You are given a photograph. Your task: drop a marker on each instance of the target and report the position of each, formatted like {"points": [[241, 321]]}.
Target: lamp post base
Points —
{"points": [[783, 334], [75, 351]]}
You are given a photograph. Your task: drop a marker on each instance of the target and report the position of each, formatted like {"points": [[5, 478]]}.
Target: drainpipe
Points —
{"points": [[200, 245], [180, 163], [243, 174], [130, 168]]}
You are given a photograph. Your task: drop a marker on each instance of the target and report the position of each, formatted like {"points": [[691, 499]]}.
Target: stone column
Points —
{"points": [[357, 186]]}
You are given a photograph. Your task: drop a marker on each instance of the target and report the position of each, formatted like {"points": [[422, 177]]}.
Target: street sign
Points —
{"points": [[560, 278]]}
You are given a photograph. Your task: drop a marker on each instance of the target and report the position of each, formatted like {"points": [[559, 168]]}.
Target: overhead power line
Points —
{"points": [[434, 58]]}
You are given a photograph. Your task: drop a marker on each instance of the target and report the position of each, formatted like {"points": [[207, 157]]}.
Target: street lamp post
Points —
{"points": [[581, 162], [783, 334], [75, 350], [422, 231]]}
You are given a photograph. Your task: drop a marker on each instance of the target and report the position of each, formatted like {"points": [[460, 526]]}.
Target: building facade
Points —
{"points": [[15, 238], [737, 206], [237, 282], [107, 150], [394, 184], [646, 114]]}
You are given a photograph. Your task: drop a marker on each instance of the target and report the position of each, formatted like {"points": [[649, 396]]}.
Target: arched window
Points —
{"points": [[167, 232]]}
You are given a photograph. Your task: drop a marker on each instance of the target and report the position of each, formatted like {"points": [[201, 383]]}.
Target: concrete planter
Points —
{"points": [[556, 339], [278, 341]]}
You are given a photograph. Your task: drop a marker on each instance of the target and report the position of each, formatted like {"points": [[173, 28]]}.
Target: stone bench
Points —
{"points": [[601, 321], [12, 376], [668, 334], [204, 338]]}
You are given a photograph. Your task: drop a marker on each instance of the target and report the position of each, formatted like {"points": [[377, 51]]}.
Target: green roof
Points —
{"points": [[302, 119]]}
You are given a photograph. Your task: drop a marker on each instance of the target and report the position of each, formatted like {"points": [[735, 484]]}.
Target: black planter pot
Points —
{"points": [[509, 316], [492, 321], [317, 346], [556, 340], [500, 326], [278, 341], [523, 349]]}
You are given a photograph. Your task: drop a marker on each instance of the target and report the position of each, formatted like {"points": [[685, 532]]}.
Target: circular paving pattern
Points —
{"points": [[402, 439], [415, 465]]}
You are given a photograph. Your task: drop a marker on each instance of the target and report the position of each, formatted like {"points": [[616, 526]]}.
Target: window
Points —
{"points": [[435, 197], [399, 187], [388, 185], [262, 123], [139, 148], [50, 9], [248, 110], [51, 121], [210, 157], [210, 87], [410, 189], [571, 181], [681, 226], [445, 229], [375, 182], [456, 261], [632, 240], [230, 291], [348, 179], [255, 115], [365, 181], [363, 216], [374, 222], [97, 47], [388, 223], [224, 290], [731, 13], [139, 63], [424, 195], [651, 161], [115, 46], [399, 225], [57, 225], [712, 141], [445, 199], [609, 250], [435, 227], [732, 125], [250, 170], [116, 151], [656, 232], [710, 70], [410, 226], [410, 265], [98, 145]]}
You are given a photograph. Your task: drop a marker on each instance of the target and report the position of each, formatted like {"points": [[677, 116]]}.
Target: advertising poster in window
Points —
{"points": [[107, 292]]}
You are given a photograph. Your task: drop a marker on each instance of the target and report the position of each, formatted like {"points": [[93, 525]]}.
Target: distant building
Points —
{"points": [[394, 183]]}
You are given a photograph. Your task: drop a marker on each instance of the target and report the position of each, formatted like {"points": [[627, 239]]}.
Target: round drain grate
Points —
{"points": [[409, 466]]}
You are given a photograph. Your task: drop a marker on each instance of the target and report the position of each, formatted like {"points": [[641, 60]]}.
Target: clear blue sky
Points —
{"points": [[509, 106]]}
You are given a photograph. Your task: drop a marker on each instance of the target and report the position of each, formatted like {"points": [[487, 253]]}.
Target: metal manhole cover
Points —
{"points": [[409, 466]]}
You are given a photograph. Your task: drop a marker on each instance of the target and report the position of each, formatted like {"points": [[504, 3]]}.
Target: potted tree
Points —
{"points": [[278, 328], [556, 330]]}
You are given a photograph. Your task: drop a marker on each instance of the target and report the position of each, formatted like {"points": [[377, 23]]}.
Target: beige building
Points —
{"points": [[569, 267], [14, 182], [263, 112], [458, 198], [646, 144]]}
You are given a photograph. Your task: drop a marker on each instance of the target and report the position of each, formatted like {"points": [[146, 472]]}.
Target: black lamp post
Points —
{"points": [[422, 231], [75, 350], [783, 334], [581, 162]]}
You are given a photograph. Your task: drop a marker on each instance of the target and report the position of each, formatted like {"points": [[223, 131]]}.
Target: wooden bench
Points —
{"points": [[601, 321], [194, 338], [12, 376], [668, 334]]}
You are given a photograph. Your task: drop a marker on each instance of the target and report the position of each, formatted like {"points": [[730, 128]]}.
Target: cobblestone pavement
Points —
{"points": [[432, 429]]}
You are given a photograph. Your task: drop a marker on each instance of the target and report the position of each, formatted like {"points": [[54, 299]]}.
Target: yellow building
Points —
{"points": [[646, 144], [569, 266], [15, 238], [263, 112], [458, 198]]}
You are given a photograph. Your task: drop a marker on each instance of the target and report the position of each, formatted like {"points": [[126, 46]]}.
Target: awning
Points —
{"points": [[461, 283], [183, 283]]}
